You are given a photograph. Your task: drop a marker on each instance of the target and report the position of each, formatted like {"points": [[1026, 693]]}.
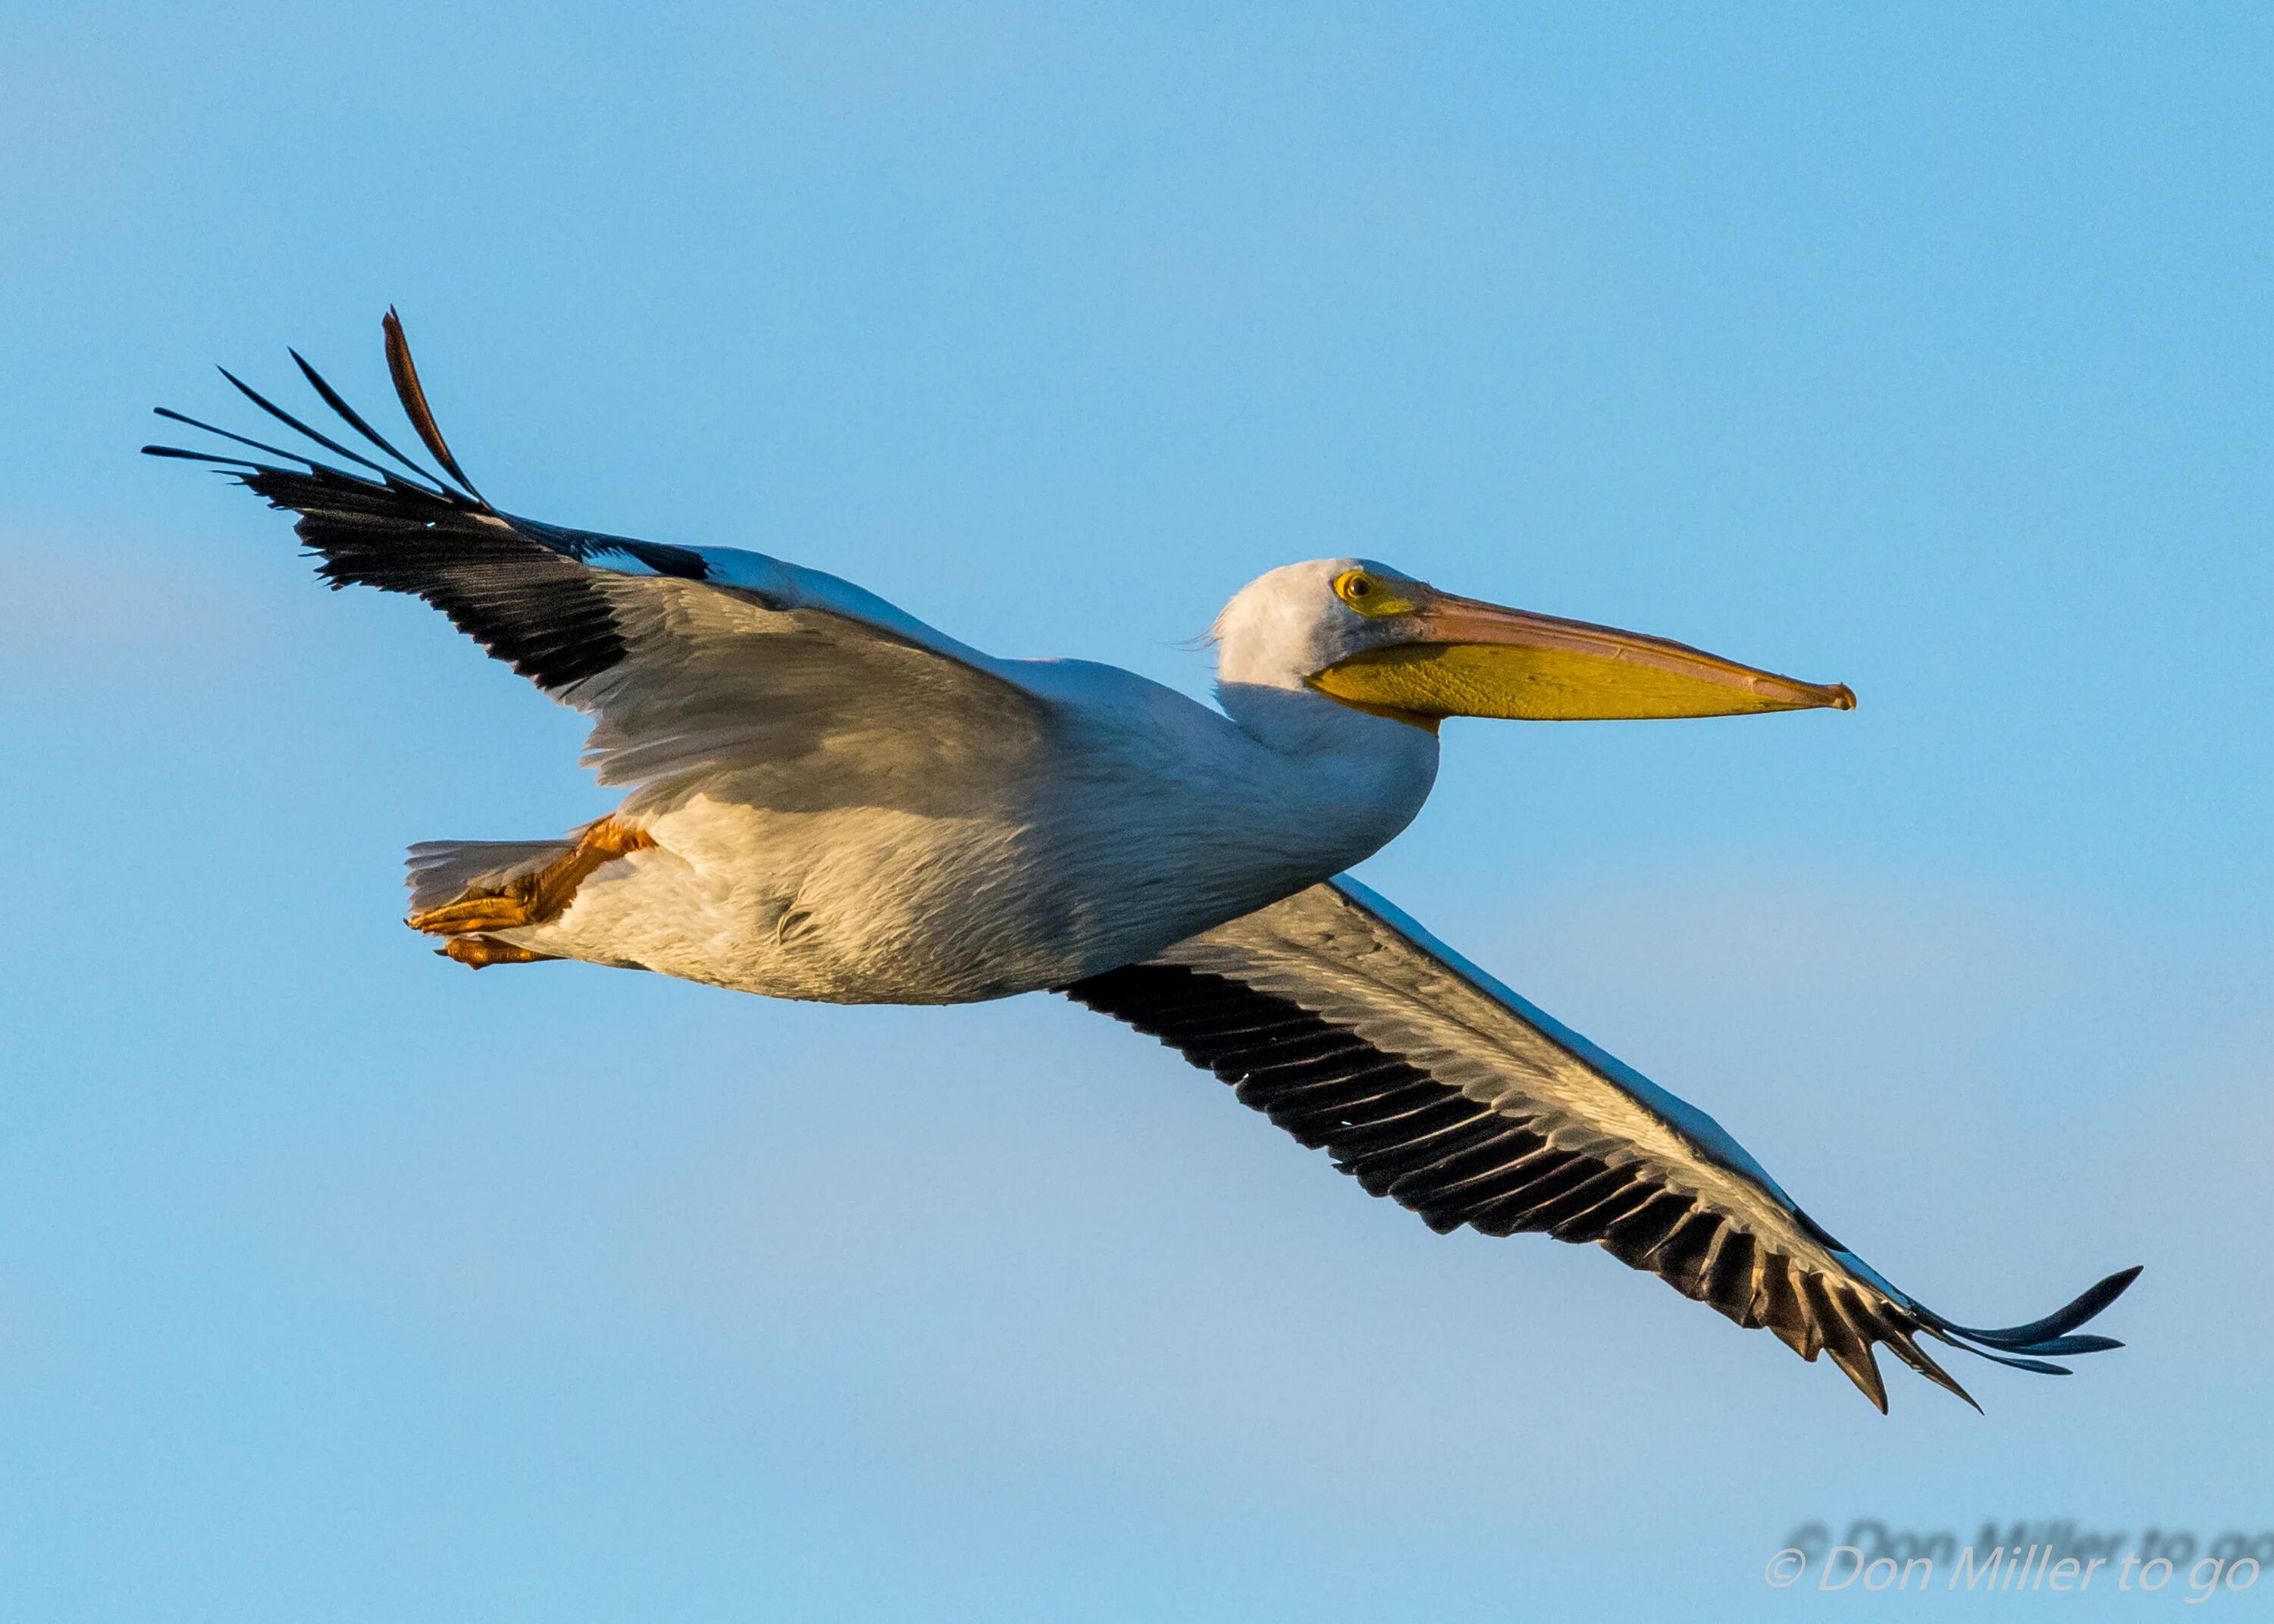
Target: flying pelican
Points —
{"points": [[830, 800]]}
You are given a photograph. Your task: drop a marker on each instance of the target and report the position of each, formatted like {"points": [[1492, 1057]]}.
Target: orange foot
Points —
{"points": [[479, 952], [533, 898]]}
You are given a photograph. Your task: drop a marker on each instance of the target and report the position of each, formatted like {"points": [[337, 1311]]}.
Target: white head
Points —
{"points": [[1363, 637]]}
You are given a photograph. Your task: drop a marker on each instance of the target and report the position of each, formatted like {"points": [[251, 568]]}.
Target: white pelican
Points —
{"points": [[830, 800]]}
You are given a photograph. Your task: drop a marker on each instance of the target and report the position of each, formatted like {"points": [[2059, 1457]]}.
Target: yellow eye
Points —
{"points": [[1362, 592]]}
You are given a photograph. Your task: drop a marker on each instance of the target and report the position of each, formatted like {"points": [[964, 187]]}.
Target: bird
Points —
{"points": [[827, 799]]}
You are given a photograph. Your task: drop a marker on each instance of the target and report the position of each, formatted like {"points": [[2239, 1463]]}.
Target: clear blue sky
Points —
{"points": [[1928, 352]]}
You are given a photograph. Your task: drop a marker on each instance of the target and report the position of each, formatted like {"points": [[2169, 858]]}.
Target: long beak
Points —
{"points": [[1471, 658]]}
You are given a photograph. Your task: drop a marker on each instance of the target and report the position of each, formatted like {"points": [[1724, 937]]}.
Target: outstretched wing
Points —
{"points": [[1435, 1085], [690, 659]]}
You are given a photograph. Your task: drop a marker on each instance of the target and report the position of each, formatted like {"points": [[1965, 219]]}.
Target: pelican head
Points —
{"points": [[1380, 641]]}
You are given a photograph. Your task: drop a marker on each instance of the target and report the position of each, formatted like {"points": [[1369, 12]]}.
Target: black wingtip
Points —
{"points": [[1897, 1338], [171, 415], [292, 422], [353, 417], [2030, 1347], [2065, 1347], [2038, 1335], [212, 457], [407, 389], [2040, 1366]]}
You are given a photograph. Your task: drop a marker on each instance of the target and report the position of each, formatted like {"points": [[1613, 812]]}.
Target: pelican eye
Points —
{"points": [[1362, 592]]}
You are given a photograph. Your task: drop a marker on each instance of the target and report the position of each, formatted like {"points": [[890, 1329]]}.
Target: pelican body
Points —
{"points": [[828, 798], [1077, 817]]}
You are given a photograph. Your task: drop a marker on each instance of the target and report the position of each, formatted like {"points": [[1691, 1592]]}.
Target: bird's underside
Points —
{"points": [[828, 799]]}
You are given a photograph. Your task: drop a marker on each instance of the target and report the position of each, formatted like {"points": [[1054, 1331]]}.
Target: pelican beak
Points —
{"points": [[1471, 658]]}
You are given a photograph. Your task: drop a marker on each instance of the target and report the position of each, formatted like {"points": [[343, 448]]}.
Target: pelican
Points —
{"points": [[828, 798]]}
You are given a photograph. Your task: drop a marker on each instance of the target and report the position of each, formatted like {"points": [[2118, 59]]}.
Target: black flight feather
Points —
{"points": [[414, 402]]}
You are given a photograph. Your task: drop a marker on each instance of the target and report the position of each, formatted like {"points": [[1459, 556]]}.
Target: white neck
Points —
{"points": [[1357, 779]]}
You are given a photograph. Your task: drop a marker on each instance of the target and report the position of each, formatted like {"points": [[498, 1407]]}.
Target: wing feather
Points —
{"points": [[1433, 1084], [692, 661]]}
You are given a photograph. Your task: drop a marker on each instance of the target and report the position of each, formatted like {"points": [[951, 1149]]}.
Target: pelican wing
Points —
{"points": [[1433, 1084], [690, 659]]}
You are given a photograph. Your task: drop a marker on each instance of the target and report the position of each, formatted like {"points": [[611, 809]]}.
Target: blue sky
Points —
{"points": [[1926, 352]]}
